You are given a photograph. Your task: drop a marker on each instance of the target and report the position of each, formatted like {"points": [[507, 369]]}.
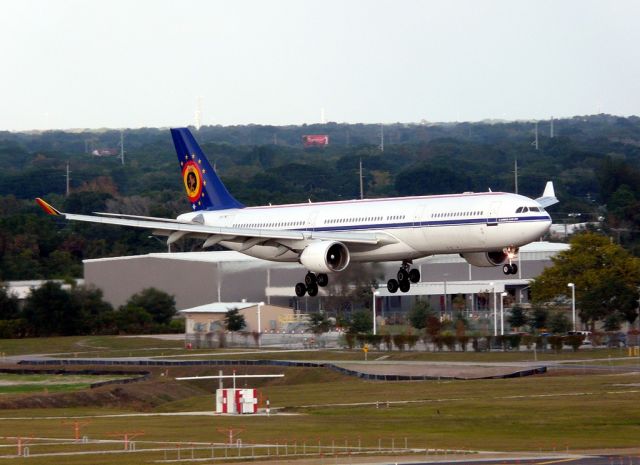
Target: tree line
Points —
{"points": [[53, 310]]}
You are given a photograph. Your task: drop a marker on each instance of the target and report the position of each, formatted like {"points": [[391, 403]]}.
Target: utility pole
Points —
{"points": [[535, 142], [68, 179], [122, 146], [515, 172], [381, 137], [361, 184], [551, 128]]}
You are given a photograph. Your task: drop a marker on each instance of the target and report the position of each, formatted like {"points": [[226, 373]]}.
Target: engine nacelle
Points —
{"points": [[325, 257], [485, 259]]}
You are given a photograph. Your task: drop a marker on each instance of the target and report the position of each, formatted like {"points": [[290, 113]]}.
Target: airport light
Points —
{"points": [[495, 309], [260, 304], [373, 307], [573, 303], [502, 296]]}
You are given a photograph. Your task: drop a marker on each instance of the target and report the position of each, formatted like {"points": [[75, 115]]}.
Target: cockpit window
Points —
{"points": [[519, 210], [534, 209]]}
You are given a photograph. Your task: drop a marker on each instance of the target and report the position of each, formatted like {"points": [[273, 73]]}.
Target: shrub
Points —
{"points": [[387, 341], [449, 340], [575, 341], [350, 339], [556, 343], [514, 341], [412, 340], [400, 340]]}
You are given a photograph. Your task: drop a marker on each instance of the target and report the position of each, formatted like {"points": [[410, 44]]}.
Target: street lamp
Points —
{"points": [[260, 304], [373, 307], [495, 310], [573, 303], [502, 296]]}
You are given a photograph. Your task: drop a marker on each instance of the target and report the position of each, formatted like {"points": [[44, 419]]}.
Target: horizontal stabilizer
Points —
{"points": [[548, 196]]}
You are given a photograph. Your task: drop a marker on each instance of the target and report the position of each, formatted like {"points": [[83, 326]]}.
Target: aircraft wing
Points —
{"points": [[175, 230]]}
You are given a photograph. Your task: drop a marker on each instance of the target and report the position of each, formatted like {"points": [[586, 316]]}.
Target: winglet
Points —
{"points": [[548, 196], [48, 209]]}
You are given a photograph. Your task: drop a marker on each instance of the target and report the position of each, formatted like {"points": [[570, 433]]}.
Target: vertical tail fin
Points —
{"points": [[204, 188]]}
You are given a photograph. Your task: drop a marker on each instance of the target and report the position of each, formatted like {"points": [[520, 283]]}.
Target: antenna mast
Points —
{"points": [[535, 142], [551, 128], [516, 174], [122, 146], [381, 137], [198, 115], [361, 184], [68, 179]]}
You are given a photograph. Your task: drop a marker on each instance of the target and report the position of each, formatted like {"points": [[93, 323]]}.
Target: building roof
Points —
{"points": [[219, 307]]}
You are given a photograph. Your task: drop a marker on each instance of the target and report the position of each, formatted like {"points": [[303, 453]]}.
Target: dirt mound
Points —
{"points": [[139, 396]]}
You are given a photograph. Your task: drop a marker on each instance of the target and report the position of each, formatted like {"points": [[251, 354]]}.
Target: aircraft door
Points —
{"points": [[492, 214]]}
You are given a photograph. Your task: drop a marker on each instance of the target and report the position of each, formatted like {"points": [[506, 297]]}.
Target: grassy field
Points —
{"points": [[87, 345], [47, 383], [548, 412]]}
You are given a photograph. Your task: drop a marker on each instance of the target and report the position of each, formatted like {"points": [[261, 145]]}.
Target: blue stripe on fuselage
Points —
{"points": [[429, 224]]}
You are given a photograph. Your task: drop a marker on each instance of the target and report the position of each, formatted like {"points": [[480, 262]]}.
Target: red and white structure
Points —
{"points": [[236, 401]]}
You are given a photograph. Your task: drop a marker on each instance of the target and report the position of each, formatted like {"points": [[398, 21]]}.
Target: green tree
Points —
{"points": [[606, 278], [419, 313], [361, 322], [319, 323], [234, 320], [160, 305], [50, 311], [131, 319], [518, 317], [558, 322], [97, 315], [8, 305], [539, 317]]}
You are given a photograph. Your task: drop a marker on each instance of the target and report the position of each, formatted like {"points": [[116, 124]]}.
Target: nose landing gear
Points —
{"points": [[406, 275], [509, 268], [311, 284]]}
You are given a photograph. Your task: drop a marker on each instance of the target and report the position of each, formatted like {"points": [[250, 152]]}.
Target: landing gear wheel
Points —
{"points": [[312, 290], [301, 289], [506, 268], [405, 286], [392, 286], [414, 275], [322, 279], [514, 268], [310, 279], [403, 275]]}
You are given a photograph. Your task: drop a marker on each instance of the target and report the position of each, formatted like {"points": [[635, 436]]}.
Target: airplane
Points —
{"points": [[485, 228]]}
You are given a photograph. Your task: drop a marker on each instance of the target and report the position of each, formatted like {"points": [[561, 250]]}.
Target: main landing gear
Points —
{"points": [[406, 275], [509, 268], [311, 284]]}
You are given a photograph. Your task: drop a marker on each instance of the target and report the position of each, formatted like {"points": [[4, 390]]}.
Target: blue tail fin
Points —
{"points": [[204, 189]]}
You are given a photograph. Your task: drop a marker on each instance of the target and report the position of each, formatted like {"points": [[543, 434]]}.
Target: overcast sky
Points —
{"points": [[72, 64]]}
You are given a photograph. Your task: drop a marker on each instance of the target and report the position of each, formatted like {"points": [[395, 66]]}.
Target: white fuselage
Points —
{"points": [[421, 226]]}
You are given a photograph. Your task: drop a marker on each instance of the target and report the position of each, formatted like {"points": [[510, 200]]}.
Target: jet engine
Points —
{"points": [[325, 257], [485, 259]]}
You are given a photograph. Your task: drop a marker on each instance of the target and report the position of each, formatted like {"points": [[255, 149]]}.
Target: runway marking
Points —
{"points": [[572, 459]]}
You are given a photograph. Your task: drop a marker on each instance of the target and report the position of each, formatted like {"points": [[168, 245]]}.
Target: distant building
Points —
{"points": [[315, 140], [199, 278], [22, 289], [105, 152], [210, 317]]}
